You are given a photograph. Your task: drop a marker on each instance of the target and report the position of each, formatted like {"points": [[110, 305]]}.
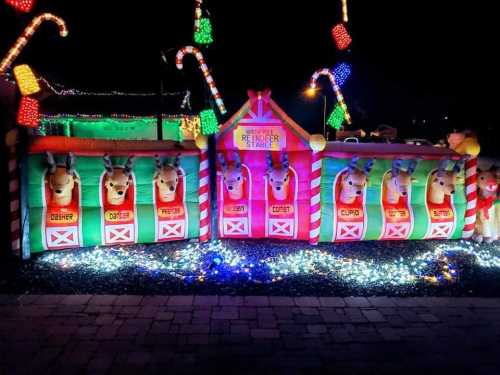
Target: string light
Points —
{"points": [[26, 80], [209, 123], [26, 36], [336, 118], [342, 72], [341, 37], [216, 261], [345, 17], [24, 6], [29, 112], [204, 34]]}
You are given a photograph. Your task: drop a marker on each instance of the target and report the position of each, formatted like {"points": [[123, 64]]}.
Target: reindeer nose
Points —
{"points": [[171, 188], [278, 187], [229, 188], [120, 193], [58, 191]]}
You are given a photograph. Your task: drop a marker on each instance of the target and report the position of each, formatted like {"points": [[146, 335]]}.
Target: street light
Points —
{"points": [[311, 92]]}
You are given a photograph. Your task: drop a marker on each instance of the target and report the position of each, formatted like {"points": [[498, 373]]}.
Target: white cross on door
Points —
{"points": [[62, 236], [171, 229], [281, 227], [119, 233], [236, 226]]}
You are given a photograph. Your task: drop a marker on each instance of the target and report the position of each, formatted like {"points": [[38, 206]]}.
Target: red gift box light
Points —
{"points": [[341, 36], [24, 6], [29, 112]]}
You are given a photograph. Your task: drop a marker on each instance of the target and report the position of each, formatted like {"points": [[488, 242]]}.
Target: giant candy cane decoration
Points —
{"points": [[204, 68], [471, 197], [336, 89], [26, 36]]}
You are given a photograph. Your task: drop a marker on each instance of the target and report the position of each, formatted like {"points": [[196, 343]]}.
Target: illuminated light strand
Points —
{"points": [[342, 72], [204, 35], [340, 99], [24, 6], [345, 16], [26, 36], [215, 260], [197, 15], [209, 123], [336, 118], [341, 37], [29, 112], [26, 80], [206, 73]]}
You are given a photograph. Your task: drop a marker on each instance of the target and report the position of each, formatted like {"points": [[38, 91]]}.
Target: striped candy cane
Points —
{"points": [[14, 196], [197, 14], [314, 226], [471, 196], [204, 68], [204, 196], [335, 87], [26, 36]]}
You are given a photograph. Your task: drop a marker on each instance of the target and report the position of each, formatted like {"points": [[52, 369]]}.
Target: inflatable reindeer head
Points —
{"points": [[487, 183], [117, 180], [444, 181], [279, 177], [233, 176], [61, 179], [167, 179], [400, 182], [355, 180]]}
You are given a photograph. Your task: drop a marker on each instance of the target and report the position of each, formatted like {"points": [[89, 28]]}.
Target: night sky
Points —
{"points": [[420, 60]]}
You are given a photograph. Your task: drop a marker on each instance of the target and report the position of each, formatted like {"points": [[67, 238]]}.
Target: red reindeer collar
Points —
{"points": [[485, 204]]}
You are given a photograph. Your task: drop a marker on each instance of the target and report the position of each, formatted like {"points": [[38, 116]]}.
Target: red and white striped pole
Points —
{"points": [[14, 196], [204, 189], [317, 143], [471, 197]]}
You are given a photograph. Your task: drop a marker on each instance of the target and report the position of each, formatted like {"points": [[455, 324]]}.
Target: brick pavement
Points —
{"points": [[104, 334]]}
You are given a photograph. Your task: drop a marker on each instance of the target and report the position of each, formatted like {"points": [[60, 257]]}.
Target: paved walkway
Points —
{"points": [[84, 334]]}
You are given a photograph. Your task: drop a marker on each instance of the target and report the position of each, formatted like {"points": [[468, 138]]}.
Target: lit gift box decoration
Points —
{"points": [[341, 73], [24, 6], [29, 112], [209, 123], [341, 37], [26, 80], [336, 117]]}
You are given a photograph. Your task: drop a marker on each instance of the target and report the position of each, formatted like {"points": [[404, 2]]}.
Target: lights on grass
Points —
{"points": [[216, 261]]}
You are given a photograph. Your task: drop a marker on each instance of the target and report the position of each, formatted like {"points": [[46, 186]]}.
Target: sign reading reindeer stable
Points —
{"points": [[254, 138]]}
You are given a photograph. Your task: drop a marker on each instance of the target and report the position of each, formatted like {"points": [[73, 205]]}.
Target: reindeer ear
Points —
{"points": [[70, 163], [49, 157]]}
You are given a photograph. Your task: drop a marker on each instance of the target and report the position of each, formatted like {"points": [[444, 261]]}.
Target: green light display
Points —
{"points": [[336, 117], [209, 123], [204, 34]]}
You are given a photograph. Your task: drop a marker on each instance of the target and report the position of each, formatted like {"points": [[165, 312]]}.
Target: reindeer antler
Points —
{"points": [[459, 164], [177, 161], [222, 161], [353, 164], [70, 163], [284, 161], [158, 163], [128, 165], [412, 165], [108, 164], [368, 167], [443, 163], [396, 167], [51, 162], [237, 160], [269, 160]]}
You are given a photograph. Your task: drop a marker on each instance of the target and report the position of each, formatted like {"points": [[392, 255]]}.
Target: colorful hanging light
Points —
{"points": [[341, 37], [342, 72], [204, 33], [29, 112], [24, 6], [209, 123], [26, 80], [336, 118]]}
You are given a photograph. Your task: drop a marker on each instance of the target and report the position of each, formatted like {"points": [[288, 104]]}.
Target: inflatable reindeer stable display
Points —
{"points": [[268, 174], [486, 220]]}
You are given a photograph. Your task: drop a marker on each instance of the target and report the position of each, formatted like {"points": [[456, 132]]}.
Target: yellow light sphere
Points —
{"points": [[201, 142], [470, 146], [317, 142]]}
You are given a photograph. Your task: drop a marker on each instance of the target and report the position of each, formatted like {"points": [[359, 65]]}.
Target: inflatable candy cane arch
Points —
{"points": [[336, 89], [204, 68], [26, 36]]}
